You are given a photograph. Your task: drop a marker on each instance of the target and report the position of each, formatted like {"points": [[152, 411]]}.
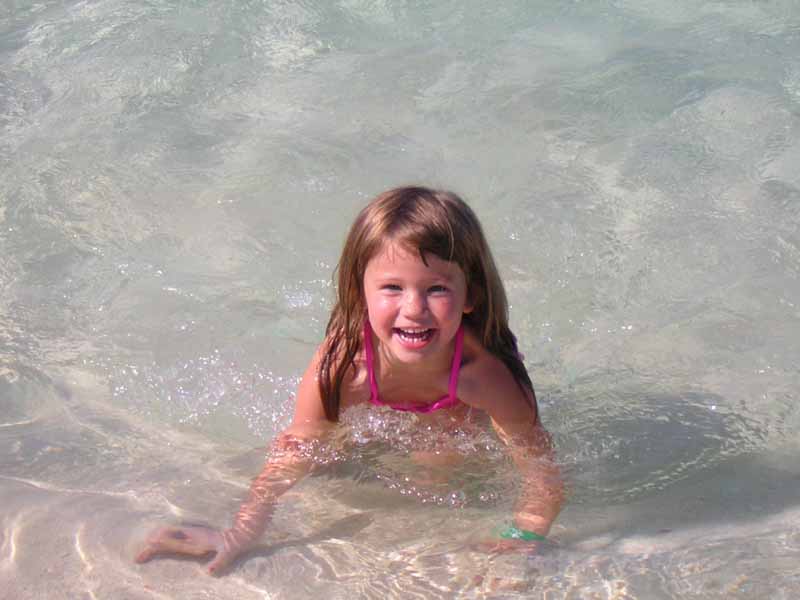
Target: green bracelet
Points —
{"points": [[512, 532]]}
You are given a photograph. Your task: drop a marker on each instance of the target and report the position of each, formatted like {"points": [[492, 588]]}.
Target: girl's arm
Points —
{"points": [[513, 412], [542, 492], [289, 461]]}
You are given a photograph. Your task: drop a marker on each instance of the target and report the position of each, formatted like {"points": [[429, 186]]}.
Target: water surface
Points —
{"points": [[176, 182]]}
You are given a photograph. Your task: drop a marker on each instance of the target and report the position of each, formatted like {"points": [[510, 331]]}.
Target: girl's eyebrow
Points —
{"points": [[389, 276]]}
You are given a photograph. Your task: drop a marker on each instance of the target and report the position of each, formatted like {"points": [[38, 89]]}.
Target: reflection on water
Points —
{"points": [[94, 480], [176, 182]]}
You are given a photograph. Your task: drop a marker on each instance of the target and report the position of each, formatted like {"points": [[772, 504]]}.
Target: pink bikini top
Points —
{"points": [[444, 402]]}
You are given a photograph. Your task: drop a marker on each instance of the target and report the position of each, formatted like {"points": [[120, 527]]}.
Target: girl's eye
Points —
{"points": [[437, 289], [391, 287]]}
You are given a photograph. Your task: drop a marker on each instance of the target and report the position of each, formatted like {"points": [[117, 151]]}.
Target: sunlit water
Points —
{"points": [[176, 179]]}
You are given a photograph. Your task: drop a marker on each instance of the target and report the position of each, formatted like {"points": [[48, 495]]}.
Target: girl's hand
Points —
{"points": [[507, 546], [192, 540]]}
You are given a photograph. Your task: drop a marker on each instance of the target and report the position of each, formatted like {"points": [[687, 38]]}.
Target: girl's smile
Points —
{"points": [[413, 338], [414, 307]]}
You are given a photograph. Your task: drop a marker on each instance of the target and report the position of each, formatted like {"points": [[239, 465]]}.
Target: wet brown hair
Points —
{"points": [[430, 221]]}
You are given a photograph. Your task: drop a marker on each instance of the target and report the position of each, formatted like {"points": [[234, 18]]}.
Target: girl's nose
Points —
{"points": [[414, 304]]}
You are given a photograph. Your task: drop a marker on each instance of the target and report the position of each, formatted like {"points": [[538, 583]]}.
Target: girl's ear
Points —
{"points": [[469, 305]]}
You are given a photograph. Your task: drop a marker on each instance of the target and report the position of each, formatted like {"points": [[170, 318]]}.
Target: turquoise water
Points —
{"points": [[176, 179]]}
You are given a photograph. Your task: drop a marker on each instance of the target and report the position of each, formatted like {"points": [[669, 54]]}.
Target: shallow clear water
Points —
{"points": [[176, 180]]}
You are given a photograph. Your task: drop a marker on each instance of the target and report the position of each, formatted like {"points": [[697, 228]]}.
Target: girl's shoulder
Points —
{"points": [[484, 379], [308, 400], [355, 384]]}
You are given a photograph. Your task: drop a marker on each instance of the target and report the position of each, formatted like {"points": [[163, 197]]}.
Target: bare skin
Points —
{"points": [[405, 293], [189, 541], [286, 465], [529, 446]]}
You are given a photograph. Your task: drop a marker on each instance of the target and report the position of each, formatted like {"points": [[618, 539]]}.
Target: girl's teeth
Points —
{"points": [[413, 335]]}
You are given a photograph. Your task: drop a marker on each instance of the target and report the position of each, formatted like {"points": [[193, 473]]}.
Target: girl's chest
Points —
{"points": [[397, 392]]}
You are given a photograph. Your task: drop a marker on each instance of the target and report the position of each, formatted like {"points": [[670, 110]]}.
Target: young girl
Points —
{"points": [[420, 324]]}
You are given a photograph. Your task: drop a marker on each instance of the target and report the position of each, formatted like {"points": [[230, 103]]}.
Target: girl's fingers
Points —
{"points": [[221, 560], [203, 537], [228, 548], [191, 541], [153, 545], [503, 546], [145, 555]]}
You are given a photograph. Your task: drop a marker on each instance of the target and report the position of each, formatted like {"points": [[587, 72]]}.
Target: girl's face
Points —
{"points": [[414, 309]]}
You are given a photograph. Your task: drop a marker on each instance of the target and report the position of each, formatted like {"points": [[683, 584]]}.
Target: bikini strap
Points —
{"points": [[452, 386], [455, 368], [368, 355]]}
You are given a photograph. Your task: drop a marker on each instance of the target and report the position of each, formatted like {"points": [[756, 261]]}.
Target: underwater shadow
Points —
{"points": [[657, 464]]}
